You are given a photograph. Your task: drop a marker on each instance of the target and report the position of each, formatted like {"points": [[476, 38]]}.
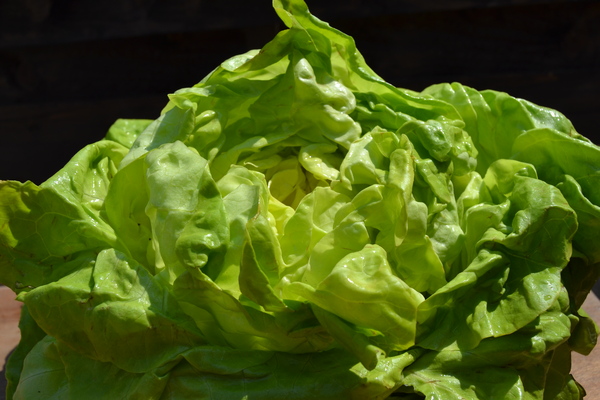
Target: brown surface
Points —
{"points": [[10, 311], [585, 368]]}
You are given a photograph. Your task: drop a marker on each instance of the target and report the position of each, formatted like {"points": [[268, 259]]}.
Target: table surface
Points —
{"points": [[585, 368]]}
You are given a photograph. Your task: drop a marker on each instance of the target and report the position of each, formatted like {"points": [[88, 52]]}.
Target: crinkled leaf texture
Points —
{"points": [[295, 227]]}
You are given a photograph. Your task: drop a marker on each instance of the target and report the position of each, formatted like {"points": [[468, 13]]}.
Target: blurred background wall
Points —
{"points": [[69, 68]]}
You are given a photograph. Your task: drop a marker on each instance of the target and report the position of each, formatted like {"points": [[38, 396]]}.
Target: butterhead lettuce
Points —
{"points": [[295, 227]]}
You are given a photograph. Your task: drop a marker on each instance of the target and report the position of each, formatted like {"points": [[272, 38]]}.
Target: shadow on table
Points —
{"points": [[3, 382], [3, 379]]}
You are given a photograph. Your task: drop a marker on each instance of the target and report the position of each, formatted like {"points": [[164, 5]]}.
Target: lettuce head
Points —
{"points": [[293, 226]]}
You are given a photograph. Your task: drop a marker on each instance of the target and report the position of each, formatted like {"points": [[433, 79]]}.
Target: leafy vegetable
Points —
{"points": [[295, 227]]}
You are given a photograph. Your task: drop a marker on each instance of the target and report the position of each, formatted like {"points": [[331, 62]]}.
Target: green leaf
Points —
{"points": [[293, 226], [112, 310], [362, 289]]}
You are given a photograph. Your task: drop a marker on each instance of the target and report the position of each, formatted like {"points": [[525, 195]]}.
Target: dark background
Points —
{"points": [[69, 68]]}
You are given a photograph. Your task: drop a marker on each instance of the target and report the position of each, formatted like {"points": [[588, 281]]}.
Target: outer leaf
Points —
{"points": [[43, 227], [113, 310], [31, 334]]}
